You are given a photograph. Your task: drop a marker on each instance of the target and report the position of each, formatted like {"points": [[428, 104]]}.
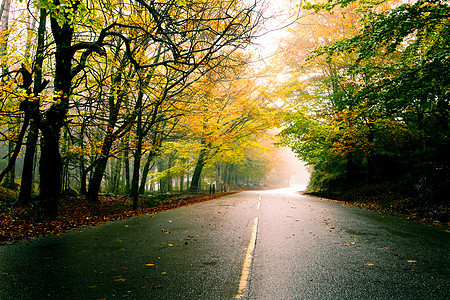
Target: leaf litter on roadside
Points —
{"points": [[19, 223]]}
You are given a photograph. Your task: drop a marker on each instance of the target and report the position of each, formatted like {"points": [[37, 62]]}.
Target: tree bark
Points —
{"points": [[370, 156], [136, 167], [26, 186], [150, 159], [50, 168], [100, 167], [126, 153], [195, 182]]}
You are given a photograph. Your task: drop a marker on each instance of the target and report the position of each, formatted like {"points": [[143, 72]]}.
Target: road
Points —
{"points": [[251, 245]]}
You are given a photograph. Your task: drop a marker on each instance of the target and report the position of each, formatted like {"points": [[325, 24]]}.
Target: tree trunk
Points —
{"points": [[4, 26], [50, 163], [10, 177], [150, 158], [136, 167], [182, 182], [65, 161], [126, 153], [370, 162], [116, 176], [169, 175], [160, 167], [100, 167], [83, 178], [26, 186], [4, 19], [50, 172], [195, 182], [187, 181]]}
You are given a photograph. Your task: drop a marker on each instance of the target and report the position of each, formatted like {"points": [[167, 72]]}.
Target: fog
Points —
{"points": [[288, 171]]}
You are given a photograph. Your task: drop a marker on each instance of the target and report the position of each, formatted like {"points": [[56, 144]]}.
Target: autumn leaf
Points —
{"points": [[17, 224], [119, 279], [369, 264], [412, 261]]}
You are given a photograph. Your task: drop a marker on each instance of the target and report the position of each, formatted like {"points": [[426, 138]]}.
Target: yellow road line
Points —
{"points": [[246, 267]]}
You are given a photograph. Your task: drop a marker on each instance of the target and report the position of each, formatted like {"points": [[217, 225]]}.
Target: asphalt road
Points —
{"points": [[252, 245]]}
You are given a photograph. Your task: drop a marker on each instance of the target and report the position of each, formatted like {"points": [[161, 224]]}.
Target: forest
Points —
{"points": [[370, 102], [145, 97]]}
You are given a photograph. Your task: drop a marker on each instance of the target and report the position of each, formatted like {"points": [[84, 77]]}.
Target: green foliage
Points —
{"points": [[387, 111]]}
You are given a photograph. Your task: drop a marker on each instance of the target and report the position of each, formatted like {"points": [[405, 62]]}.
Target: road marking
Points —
{"points": [[260, 196], [246, 267], [259, 205]]}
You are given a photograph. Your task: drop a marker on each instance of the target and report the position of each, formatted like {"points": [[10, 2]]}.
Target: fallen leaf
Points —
{"points": [[164, 273], [412, 261], [369, 264], [119, 279], [150, 265], [386, 248], [170, 245], [346, 245]]}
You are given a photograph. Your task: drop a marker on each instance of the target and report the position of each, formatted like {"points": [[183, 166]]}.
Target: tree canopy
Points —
{"points": [[375, 100]]}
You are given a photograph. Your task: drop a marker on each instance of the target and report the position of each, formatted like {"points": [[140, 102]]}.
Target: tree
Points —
{"points": [[394, 103], [186, 38], [229, 117]]}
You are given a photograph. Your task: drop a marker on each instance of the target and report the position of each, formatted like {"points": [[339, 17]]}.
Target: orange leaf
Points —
{"points": [[119, 279]]}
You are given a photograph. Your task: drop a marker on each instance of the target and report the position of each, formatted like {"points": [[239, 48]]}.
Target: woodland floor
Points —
{"points": [[21, 223], [385, 199]]}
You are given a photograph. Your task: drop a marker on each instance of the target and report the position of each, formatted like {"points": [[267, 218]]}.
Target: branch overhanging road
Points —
{"points": [[252, 245]]}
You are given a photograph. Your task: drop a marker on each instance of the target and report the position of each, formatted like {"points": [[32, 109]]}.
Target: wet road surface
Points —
{"points": [[252, 245]]}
